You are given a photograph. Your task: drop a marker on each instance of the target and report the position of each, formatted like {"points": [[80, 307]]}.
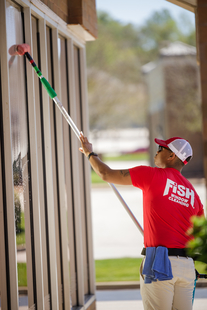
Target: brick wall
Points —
{"points": [[76, 12], [59, 7], [83, 12]]}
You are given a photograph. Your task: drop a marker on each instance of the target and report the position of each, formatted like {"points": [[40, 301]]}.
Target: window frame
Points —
{"points": [[85, 286]]}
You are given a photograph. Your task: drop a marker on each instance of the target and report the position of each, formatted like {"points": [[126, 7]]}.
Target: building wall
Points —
{"points": [[58, 7], [45, 207], [76, 12], [173, 92], [183, 107], [201, 27]]}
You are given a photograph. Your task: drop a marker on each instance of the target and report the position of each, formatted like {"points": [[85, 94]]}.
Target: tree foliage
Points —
{"points": [[117, 96], [199, 244]]}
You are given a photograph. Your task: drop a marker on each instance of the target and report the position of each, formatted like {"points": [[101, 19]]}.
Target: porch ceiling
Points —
{"points": [[189, 5]]}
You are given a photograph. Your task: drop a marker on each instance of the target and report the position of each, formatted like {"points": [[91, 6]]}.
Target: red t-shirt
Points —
{"points": [[169, 200]]}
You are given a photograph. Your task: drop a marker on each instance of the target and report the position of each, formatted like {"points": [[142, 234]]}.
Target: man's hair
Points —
{"points": [[182, 163]]}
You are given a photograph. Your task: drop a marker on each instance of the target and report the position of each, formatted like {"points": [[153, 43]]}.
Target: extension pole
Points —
{"points": [[24, 49], [126, 208]]}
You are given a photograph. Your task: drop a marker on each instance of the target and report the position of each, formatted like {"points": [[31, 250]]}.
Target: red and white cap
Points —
{"points": [[179, 146]]}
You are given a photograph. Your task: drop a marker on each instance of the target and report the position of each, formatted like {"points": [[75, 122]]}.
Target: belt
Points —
{"points": [[172, 252]]}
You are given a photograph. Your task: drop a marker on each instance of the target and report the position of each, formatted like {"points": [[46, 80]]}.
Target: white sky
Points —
{"points": [[137, 11]]}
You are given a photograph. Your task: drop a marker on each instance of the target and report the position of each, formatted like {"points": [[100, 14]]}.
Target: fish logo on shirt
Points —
{"points": [[179, 193]]}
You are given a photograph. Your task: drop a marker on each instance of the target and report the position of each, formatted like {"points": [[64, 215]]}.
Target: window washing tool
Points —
{"points": [[24, 49]]}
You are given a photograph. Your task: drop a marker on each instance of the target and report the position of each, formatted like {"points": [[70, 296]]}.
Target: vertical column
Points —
{"points": [[41, 171], [49, 175], [34, 171], [3, 275], [201, 24], [61, 180], [9, 216], [77, 201], [91, 267]]}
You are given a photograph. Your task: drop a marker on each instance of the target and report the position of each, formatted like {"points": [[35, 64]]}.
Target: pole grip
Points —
{"points": [[44, 82], [48, 88]]}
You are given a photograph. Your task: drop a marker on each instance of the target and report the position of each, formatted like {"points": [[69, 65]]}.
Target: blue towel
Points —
{"points": [[149, 260], [157, 265]]}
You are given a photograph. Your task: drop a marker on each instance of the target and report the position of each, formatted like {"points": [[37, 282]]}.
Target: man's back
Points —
{"points": [[169, 200]]}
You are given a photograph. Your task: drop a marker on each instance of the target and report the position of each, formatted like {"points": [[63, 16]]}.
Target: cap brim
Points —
{"points": [[161, 142]]}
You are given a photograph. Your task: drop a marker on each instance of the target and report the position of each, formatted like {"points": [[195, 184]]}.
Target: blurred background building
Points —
{"points": [[174, 101]]}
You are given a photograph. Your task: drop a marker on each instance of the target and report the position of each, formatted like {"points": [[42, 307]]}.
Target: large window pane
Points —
{"points": [[20, 146], [41, 162], [55, 167], [62, 59], [78, 95]]}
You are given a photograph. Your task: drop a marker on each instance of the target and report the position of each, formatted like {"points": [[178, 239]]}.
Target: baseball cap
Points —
{"points": [[179, 146]]}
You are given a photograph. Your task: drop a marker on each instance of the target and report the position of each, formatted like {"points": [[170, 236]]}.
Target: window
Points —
{"points": [[20, 148], [46, 244]]}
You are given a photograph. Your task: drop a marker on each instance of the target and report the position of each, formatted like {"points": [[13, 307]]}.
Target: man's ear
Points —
{"points": [[172, 156]]}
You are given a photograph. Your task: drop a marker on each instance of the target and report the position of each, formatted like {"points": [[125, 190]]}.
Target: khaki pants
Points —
{"points": [[175, 294]]}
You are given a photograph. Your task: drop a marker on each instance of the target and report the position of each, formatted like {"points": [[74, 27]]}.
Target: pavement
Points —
{"points": [[127, 298], [131, 299]]}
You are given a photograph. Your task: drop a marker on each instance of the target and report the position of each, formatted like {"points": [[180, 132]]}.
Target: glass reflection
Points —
{"points": [[19, 142]]}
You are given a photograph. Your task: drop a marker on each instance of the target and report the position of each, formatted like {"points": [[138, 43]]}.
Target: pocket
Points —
{"points": [[191, 269], [141, 268]]}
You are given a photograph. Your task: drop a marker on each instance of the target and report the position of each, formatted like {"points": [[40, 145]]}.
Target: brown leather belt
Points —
{"points": [[172, 252]]}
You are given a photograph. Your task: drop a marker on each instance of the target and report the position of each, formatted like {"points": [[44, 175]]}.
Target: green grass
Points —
{"points": [[126, 269], [22, 274], [127, 157], [20, 237], [115, 270], [95, 179], [201, 267], [110, 270]]}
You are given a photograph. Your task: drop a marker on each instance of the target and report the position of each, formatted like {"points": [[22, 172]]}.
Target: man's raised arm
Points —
{"points": [[107, 174]]}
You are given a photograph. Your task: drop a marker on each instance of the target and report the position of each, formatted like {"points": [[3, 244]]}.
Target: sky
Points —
{"points": [[137, 11]]}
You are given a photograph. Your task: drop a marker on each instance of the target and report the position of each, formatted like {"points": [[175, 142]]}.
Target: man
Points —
{"points": [[169, 201]]}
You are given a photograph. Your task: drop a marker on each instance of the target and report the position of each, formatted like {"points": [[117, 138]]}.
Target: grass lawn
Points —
{"points": [[126, 269], [20, 237], [115, 270], [95, 179], [109, 270], [127, 157], [22, 274]]}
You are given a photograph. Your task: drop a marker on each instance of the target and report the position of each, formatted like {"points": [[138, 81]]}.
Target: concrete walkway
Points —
{"points": [[127, 299], [131, 299]]}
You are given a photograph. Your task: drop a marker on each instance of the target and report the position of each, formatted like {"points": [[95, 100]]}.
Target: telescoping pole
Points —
{"points": [[24, 49], [126, 208]]}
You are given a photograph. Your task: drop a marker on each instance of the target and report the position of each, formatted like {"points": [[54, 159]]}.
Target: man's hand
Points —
{"points": [[87, 147]]}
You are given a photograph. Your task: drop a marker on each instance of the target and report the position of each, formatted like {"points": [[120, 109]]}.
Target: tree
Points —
{"points": [[197, 247], [117, 96], [160, 29]]}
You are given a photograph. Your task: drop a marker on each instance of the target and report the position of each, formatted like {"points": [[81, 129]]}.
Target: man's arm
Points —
{"points": [[105, 172]]}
